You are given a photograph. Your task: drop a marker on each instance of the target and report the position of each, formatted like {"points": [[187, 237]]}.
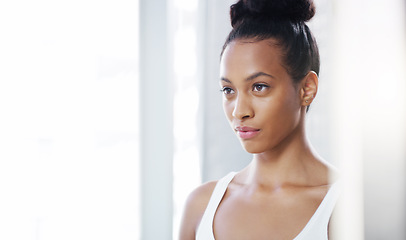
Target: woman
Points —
{"points": [[269, 77]]}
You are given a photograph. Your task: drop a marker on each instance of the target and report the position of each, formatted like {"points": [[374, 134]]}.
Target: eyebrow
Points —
{"points": [[251, 77]]}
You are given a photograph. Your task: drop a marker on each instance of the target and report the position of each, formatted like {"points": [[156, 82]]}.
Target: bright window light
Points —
{"points": [[186, 106], [69, 120]]}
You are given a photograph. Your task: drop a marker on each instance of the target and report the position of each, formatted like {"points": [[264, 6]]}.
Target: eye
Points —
{"points": [[258, 87], [227, 90]]}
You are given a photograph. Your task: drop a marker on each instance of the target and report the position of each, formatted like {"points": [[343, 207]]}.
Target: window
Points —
{"points": [[69, 120]]}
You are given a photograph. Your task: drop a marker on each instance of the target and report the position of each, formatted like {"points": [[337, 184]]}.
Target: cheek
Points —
{"points": [[280, 112], [289, 100], [228, 108]]}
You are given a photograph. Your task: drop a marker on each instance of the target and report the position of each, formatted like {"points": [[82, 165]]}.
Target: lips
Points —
{"points": [[246, 132]]}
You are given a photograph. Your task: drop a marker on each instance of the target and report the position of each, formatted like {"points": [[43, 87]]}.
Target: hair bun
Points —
{"points": [[288, 10]]}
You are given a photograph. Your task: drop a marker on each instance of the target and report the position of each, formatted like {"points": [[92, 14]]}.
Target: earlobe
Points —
{"points": [[309, 88]]}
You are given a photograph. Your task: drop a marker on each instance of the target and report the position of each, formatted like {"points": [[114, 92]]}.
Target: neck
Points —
{"points": [[292, 162]]}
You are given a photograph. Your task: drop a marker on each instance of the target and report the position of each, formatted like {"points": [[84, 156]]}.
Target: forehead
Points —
{"points": [[243, 57]]}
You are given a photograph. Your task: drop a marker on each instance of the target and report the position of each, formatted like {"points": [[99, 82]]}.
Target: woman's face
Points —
{"points": [[260, 100]]}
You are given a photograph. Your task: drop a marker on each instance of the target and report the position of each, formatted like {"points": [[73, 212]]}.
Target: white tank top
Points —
{"points": [[315, 229]]}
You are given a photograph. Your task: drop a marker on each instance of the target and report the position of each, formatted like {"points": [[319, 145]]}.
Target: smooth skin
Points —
{"points": [[278, 192]]}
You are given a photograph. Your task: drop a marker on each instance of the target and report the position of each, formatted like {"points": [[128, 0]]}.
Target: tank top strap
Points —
{"points": [[317, 227], [205, 229]]}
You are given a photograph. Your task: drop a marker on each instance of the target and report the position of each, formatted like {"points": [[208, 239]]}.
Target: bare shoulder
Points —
{"points": [[194, 209], [199, 198]]}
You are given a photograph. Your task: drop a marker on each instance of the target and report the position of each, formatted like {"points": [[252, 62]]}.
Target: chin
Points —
{"points": [[252, 148]]}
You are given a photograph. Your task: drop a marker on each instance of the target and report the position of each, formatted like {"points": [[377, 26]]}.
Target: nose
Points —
{"points": [[242, 108]]}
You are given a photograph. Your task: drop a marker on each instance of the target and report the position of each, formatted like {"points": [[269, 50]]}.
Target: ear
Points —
{"points": [[309, 87]]}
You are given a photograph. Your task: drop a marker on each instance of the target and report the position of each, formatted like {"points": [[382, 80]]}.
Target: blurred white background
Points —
{"points": [[110, 114]]}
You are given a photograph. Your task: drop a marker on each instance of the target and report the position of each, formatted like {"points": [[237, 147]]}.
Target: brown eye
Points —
{"points": [[227, 90], [259, 87]]}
